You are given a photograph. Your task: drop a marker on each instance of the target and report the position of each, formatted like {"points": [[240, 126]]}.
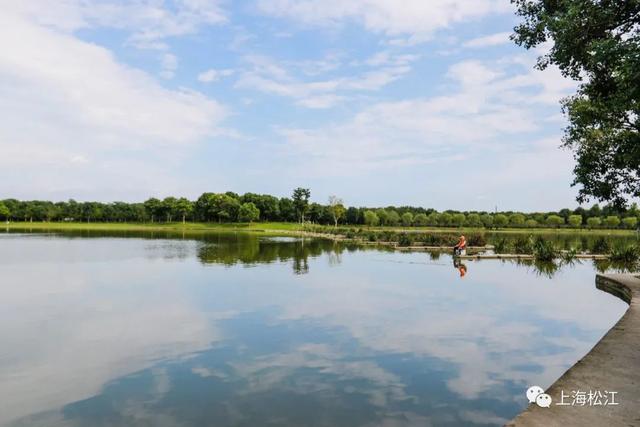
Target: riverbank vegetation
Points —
{"points": [[230, 207]]}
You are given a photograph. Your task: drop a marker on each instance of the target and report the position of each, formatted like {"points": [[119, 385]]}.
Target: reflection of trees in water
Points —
{"points": [[606, 265], [568, 241], [541, 268], [251, 250]]}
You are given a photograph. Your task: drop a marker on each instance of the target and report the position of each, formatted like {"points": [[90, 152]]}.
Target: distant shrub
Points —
{"points": [[473, 220], [575, 221], [487, 220], [555, 221], [500, 220], [458, 219], [630, 222], [420, 220], [407, 219], [516, 220], [393, 218], [371, 218], [594, 222], [612, 221], [531, 223]]}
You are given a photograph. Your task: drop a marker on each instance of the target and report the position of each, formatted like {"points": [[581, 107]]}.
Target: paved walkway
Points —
{"points": [[612, 365]]}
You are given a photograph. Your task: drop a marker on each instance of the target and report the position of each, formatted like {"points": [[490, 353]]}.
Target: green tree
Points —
{"points": [[184, 208], [287, 210], [393, 218], [204, 208], [421, 220], [371, 218], [612, 221], [4, 212], [226, 207], [630, 222], [153, 207], [458, 219], [407, 219], [554, 221], [597, 43], [433, 218], [383, 216], [487, 220], [500, 220], [445, 219], [594, 222], [169, 207], [301, 198], [248, 212], [474, 220], [517, 220], [337, 209], [575, 221], [531, 223]]}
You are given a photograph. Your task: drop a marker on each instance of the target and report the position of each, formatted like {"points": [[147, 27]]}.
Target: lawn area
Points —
{"points": [[288, 227], [174, 226]]}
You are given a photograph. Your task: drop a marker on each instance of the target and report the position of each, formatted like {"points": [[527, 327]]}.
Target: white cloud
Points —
{"points": [[149, 20], [415, 19], [490, 40], [169, 66], [213, 75], [485, 107], [271, 77], [62, 98]]}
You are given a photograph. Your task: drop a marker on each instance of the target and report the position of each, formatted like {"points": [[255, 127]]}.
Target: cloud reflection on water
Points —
{"points": [[133, 331]]}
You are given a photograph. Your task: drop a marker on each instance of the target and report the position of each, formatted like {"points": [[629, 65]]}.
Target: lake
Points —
{"points": [[237, 329]]}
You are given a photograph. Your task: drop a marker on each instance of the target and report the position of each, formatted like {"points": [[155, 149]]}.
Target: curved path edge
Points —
{"points": [[613, 364]]}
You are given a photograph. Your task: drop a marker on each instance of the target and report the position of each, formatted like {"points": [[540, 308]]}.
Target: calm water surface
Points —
{"points": [[242, 330]]}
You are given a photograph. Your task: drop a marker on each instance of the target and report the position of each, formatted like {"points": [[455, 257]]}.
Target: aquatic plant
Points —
{"points": [[523, 245], [500, 245], [544, 250], [476, 239], [569, 256], [625, 254], [405, 240], [601, 246]]}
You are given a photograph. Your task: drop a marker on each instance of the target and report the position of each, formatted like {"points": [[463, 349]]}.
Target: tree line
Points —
{"points": [[251, 207]]}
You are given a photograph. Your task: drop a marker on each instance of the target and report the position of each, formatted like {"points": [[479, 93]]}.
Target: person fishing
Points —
{"points": [[459, 248]]}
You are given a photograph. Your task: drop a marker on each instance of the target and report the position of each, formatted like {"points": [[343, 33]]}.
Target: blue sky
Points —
{"points": [[376, 101]]}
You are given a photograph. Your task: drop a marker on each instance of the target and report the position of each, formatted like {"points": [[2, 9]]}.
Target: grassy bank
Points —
{"points": [[167, 227], [289, 227]]}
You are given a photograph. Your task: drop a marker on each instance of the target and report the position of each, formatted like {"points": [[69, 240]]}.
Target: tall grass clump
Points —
{"points": [[601, 246], [625, 254], [501, 245], [544, 250], [523, 245], [405, 240]]}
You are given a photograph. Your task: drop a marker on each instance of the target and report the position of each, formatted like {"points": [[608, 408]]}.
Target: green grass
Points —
{"points": [[287, 226], [176, 226]]}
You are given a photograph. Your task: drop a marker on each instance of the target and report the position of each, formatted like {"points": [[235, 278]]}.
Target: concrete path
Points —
{"points": [[612, 365]]}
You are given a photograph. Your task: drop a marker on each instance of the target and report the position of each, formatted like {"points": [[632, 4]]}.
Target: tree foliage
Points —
{"points": [[598, 44]]}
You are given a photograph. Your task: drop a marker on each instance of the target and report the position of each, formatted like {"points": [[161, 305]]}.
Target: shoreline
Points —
{"points": [[296, 230], [288, 227], [611, 365]]}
